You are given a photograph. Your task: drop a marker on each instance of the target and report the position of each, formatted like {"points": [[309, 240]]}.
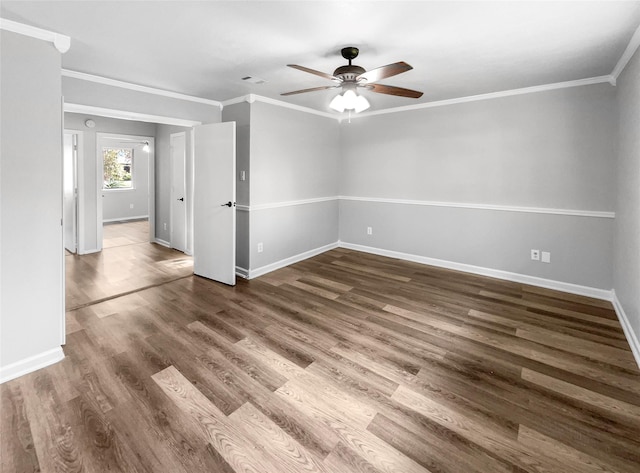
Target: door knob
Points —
{"points": [[181, 199], [228, 204]]}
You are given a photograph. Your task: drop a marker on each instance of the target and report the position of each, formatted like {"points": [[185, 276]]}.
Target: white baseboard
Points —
{"points": [[493, 273], [632, 338], [88, 252], [242, 272], [163, 242], [125, 219], [254, 273], [28, 365]]}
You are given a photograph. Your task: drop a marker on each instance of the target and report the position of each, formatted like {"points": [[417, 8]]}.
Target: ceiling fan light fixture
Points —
{"points": [[349, 101], [338, 103], [361, 104]]}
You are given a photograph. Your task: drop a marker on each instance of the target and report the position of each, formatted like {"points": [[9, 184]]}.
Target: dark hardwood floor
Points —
{"points": [[343, 363]]}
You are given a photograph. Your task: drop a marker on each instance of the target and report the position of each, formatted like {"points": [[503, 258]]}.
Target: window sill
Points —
{"points": [[127, 189]]}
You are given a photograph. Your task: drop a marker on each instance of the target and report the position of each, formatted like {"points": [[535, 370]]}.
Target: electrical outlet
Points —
{"points": [[130, 206], [369, 231], [164, 225], [535, 255], [243, 176], [546, 257], [260, 247]]}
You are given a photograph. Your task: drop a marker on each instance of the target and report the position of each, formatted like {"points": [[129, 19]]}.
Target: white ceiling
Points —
{"points": [[457, 49]]}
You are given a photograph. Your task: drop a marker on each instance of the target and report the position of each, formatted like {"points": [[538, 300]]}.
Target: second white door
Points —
{"points": [[178, 233]]}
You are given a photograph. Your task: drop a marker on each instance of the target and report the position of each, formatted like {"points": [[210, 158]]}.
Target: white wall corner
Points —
{"points": [[242, 272], [61, 42], [628, 53], [235, 100], [632, 337], [28, 365], [280, 103], [254, 273], [163, 242]]}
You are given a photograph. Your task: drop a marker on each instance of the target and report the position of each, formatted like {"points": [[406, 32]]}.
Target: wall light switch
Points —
{"points": [[535, 255], [546, 257], [243, 176], [369, 231]]}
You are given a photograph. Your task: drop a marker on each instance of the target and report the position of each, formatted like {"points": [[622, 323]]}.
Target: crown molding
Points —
{"points": [[61, 42], [493, 95], [233, 101], [251, 98], [126, 115], [627, 54], [139, 88]]}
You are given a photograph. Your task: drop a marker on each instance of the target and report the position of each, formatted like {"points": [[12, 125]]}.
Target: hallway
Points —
{"points": [[127, 264]]}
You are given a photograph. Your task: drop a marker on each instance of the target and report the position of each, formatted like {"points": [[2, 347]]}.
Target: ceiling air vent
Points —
{"points": [[254, 80]]}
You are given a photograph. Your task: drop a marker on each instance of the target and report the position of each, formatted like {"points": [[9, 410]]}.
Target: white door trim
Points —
{"points": [[172, 194], [80, 246], [151, 179], [191, 183]]}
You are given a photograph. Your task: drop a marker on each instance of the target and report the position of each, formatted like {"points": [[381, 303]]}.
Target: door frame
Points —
{"points": [[79, 172], [172, 195], [151, 195]]}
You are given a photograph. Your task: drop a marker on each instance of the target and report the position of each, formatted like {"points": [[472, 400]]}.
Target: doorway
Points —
{"points": [[70, 198], [126, 184]]}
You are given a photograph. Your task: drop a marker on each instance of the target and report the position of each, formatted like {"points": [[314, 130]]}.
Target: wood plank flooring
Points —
{"points": [[127, 264], [343, 363]]}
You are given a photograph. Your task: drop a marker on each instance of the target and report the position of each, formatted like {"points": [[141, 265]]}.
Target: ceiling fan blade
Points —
{"points": [[391, 90], [313, 89], [383, 72], [313, 71]]}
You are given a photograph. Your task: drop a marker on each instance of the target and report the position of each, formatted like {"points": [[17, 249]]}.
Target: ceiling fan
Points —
{"points": [[351, 77]]}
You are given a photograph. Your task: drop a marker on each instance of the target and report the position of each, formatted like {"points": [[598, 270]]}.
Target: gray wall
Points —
{"points": [[89, 191], [551, 149], [31, 304], [294, 156], [627, 232], [241, 114]]}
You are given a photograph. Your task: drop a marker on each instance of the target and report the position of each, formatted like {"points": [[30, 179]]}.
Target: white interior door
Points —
{"points": [[178, 232], [70, 192], [214, 217]]}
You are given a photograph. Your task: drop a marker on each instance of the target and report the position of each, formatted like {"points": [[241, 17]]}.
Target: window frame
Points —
{"points": [[132, 188]]}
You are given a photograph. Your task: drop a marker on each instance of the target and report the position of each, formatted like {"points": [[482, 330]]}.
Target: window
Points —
{"points": [[118, 168]]}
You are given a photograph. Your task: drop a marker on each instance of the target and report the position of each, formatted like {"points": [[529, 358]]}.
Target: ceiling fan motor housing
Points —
{"points": [[349, 73]]}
